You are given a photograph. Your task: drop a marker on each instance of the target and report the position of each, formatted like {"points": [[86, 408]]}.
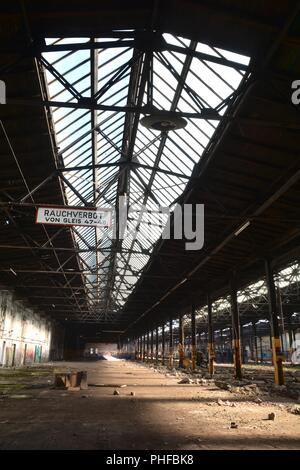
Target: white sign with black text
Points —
{"points": [[73, 216]]}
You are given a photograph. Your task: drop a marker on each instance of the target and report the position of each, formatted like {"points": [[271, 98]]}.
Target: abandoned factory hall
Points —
{"points": [[150, 228]]}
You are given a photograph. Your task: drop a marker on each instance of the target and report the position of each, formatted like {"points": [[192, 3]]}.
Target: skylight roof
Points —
{"points": [[94, 141]]}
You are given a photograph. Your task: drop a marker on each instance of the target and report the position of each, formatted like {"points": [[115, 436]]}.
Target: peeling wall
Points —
{"points": [[25, 336]]}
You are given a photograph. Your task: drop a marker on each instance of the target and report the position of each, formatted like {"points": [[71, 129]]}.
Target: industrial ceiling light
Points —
{"points": [[163, 122], [242, 228]]}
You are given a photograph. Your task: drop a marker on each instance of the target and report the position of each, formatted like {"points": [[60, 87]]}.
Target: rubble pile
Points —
{"points": [[256, 381]]}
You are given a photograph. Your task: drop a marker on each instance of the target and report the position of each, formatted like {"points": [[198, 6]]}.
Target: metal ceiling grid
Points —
{"points": [[100, 148]]}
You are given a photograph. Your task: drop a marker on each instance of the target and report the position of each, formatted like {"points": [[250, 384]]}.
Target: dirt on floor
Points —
{"points": [[134, 406]]}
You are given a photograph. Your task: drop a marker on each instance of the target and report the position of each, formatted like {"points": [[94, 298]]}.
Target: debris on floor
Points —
{"points": [[295, 410], [203, 406], [186, 380]]}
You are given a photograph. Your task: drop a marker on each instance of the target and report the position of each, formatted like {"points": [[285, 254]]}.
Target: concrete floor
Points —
{"points": [[161, 415]]}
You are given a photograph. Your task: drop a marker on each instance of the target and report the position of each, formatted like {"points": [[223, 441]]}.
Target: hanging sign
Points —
{"points": [[73, 216]]}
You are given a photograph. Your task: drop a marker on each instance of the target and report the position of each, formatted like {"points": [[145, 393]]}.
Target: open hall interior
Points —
{"points": [[149, 225]]}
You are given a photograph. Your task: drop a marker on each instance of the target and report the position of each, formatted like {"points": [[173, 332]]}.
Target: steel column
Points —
{"points": [[135, 343], [140, 348], [242, 343], [255, 341], [147, 359], [181, 341], [274, 324], [194, 347], [261, 350], [222, 345], [151, 346], [156, 345], [163, 345], [236, 342], [144, 347], [171, 342], [210, 346], [290, 334]]}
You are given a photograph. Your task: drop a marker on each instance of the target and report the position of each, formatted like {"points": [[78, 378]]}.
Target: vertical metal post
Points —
{"points": [[236, 342], [171, 352], [135, 345], [271, 346], [210, 345], [261, 350], [199, 342], [151, 346], [255, 341], [222, 344], [147, 359], [141, 348], [242, 343], [181, 341], [282, 345], [273, 311], [163, 345], [194, 347], [156, 345], [290, 333], [144, 347]]}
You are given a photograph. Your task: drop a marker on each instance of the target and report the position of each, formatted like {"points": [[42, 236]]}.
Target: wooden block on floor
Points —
{"points": [[71, 381], [62, 381]]}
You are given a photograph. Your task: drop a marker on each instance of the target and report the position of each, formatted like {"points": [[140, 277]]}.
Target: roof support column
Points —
{"points": [[222, 345], [255, 342], [156, 345], [242, 344], [147, 358], [135, 344], [151, 346], [144, 348], [290, 334], [163, 344], [274, 312], [261, 350], [236, 342], [210, 346], [141, 349], [181, 341], [194, 347], [171, 342]]}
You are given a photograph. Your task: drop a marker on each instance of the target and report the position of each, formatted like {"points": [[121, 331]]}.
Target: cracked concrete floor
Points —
{"points": [[160, 415]]}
